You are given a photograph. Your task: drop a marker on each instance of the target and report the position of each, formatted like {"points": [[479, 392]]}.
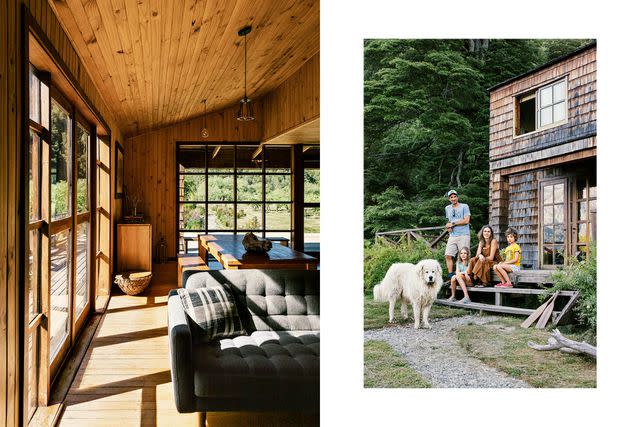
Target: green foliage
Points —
{"points": [[580, 276], [426, 120], [82, 190], [59, 199], [379, 256]]}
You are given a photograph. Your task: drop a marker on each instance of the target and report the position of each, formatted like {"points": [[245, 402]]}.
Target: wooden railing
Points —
{"points": [[429, 235]]}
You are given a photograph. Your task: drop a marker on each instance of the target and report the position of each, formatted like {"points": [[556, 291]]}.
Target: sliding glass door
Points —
{"points": [[37, 245], [58, 277]]}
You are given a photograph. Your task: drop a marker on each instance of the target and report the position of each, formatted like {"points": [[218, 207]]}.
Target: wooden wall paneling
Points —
{"points": [[150, 164], [15, 226], [4, 201], [293, 103]]}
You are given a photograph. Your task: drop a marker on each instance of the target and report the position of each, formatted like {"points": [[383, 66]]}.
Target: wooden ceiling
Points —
{"points": [[154, 61]]}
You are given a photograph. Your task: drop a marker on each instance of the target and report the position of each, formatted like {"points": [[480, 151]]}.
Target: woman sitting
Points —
{"points": [[486, 256]]}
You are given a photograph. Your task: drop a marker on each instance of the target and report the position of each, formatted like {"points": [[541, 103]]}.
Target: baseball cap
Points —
{"points": [[450, 192]]}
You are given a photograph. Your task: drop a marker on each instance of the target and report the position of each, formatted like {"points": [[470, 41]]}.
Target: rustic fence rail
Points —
{"points": [[432, 236]]}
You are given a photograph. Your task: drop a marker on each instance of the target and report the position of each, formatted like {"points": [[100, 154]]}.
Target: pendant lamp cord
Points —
{"points": [[245, 67]]}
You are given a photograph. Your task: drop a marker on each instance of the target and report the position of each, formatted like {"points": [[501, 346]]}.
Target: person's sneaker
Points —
{"points": [[465, 300], [451, 299]]}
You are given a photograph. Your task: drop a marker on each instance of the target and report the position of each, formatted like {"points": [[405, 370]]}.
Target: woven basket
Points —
{"points": [[133, 282]]}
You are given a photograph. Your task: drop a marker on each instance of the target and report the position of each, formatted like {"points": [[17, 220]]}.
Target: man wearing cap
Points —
{"points": [[458, 215]]}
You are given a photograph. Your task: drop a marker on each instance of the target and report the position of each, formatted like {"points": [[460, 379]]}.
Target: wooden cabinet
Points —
{"points": [[134, 247]]}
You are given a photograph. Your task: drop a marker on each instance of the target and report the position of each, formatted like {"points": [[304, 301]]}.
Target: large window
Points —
{"points": [[223, 188], [542, 108], [585, 215], [37, 258], [311, 163], [58, 279]]}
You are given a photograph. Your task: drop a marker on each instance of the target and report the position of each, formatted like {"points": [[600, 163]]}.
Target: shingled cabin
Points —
{"points": [[542, 159], [542, 163]]}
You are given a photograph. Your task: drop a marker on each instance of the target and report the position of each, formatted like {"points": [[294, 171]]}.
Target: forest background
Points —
{"points": [[426, 123]]}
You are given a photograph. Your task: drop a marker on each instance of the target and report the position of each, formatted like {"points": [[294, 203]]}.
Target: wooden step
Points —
{"points": [[491, 307], [523, 291]]}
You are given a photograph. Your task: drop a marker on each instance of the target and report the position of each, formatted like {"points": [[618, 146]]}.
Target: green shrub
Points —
{"points": [[580, 276], [379, 256]]}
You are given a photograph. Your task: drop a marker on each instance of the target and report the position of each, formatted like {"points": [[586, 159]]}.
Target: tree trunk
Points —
{"points": [[558, 342], [460, 157]]}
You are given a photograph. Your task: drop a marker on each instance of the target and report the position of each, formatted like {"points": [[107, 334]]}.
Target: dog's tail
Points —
{"points": [[378, 293]]}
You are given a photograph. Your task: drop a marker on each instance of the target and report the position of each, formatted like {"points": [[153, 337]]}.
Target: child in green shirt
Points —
{"points": [[512, 263]]}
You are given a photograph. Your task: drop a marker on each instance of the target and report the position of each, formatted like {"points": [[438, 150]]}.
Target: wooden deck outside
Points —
{"points": [[125, 379]]}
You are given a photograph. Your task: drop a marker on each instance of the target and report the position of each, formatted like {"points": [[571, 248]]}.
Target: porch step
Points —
{"points": [[492, 308]]}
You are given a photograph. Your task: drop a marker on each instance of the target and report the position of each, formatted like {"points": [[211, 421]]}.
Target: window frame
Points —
{"points": [[517, 98], [566, 222], [259, 156]]}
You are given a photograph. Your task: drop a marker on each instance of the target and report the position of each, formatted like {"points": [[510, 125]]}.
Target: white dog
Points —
{"points": [[418, 284]]}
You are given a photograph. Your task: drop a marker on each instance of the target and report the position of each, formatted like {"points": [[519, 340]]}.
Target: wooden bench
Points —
{"points": [[526, 282], [190, 262]]}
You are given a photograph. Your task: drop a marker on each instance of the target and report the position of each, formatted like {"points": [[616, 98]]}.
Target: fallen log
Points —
{"points": [[561, 343]]}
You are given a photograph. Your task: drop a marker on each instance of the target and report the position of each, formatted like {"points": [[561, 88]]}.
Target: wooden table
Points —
{"points": [[228, 250]]}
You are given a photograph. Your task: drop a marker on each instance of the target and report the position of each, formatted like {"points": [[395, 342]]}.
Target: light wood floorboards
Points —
{"points": [[125, 379]]}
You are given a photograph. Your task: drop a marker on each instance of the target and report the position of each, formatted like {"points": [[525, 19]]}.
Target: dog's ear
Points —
{"points": [[439, 269]]}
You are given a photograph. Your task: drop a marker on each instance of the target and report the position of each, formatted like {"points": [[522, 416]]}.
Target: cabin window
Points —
{"points": [[224, 188], [526, 110], [541, 108], [585, 217], [553, 223]]}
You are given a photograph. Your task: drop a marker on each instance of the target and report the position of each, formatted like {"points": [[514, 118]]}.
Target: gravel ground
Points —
{"points": [[436, 355]]}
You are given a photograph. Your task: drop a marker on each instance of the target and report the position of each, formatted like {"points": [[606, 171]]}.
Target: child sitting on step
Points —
{"points": [[512, 263], [461, 276]]}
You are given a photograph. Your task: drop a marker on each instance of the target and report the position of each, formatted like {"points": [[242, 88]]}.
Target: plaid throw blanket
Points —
{"points": [[214, 310]]}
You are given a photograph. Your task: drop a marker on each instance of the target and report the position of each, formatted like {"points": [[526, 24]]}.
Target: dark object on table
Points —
{"points": [[252, 243], [133, 282]]}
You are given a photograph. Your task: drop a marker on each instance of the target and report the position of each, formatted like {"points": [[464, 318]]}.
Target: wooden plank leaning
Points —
{"points": [[542, 322], [535, 315]]}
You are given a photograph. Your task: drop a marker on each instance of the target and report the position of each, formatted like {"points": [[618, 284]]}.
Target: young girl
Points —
{"points": [[514, 255], [461, 277]]}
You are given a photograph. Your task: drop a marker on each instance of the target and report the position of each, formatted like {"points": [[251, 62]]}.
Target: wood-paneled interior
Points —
{"points": [[10, 155], [12, 152], [125, 375], [134, 247], [306, 133], [157, 60], [294, 102], [150, 158], [580, 70], [150, 165]]}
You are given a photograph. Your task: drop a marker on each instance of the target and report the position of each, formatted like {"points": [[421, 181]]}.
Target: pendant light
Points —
{"points": [[245, 111], [204, 132]]}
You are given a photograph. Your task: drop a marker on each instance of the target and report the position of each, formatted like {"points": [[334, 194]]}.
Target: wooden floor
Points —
{"points": [[125, 379]]}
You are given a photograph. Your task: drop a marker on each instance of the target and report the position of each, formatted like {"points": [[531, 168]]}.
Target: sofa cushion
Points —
{"points": [[213, 310], [281, 300], [266, 362]]}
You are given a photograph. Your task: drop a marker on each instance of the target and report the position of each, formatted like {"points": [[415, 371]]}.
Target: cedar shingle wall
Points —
{"points": [[581, 96]]}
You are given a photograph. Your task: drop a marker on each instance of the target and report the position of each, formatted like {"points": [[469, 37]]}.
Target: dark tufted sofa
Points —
{"points": [[275, 367]]}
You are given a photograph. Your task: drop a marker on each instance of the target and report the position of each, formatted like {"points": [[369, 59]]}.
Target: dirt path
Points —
{"points": [[436, 355]]}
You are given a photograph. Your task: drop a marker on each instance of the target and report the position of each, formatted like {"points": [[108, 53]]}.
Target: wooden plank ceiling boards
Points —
{"points": [[155, 61]]}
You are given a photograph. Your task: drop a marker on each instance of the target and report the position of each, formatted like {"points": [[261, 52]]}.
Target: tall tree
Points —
{"points": [[426, 120]]}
